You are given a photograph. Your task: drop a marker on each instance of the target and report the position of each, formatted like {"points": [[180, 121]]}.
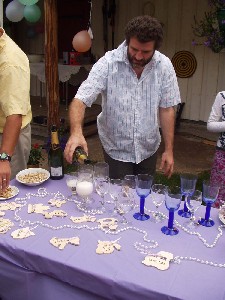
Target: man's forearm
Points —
{"points": [[76, 115], [167, 122], [11, 133]]}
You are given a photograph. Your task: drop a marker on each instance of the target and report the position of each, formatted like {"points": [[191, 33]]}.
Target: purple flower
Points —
{"points": [[207, 43]]}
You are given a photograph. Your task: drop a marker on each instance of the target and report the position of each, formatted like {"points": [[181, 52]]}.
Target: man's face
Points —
{"points": [[139, 54]]}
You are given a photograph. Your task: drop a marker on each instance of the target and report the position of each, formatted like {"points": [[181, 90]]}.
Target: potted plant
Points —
{"points": [[35, 156]]}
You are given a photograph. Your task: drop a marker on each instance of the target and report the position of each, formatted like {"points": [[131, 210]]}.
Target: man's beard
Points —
{"points": [[138, 63]]}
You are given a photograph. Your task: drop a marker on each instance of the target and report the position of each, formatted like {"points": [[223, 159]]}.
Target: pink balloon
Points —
{"points": [[82, 41]]}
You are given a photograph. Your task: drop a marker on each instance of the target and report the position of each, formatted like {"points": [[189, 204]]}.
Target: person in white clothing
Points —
{"points": [[137, 84], [216, 123]]}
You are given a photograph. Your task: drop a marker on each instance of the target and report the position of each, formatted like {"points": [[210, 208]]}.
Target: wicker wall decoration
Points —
{"points": [[184, 63]]}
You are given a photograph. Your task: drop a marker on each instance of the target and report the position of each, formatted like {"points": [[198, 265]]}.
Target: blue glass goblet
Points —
{"points": [[172, 201], [143, 189], [187, 183], [209, 195]]}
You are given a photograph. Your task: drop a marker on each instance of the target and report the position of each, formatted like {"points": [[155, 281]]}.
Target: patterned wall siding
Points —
{"points": [[198, 92]]}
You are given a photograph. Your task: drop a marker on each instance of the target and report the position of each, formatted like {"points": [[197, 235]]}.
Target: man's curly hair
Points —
{"points": [[145, 29]]}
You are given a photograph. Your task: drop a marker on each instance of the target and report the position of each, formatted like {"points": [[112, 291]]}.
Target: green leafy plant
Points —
{"points": [[174, 180], [35, 156], [217, 4], [208, 28]]}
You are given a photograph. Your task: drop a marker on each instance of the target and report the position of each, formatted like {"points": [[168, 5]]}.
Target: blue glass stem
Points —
{"points": [[207, 212], [171, 218], [185, 206], [142, 205]]}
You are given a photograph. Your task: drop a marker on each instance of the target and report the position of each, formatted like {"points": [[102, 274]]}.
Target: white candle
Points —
{"points": [[84, 188]]}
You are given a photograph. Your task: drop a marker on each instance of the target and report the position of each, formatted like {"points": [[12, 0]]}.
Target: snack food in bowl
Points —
{"points": [[33, 176], [10, 192]]}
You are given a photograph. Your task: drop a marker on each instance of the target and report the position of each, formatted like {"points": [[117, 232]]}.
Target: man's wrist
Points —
{"points": [[5, 157]]}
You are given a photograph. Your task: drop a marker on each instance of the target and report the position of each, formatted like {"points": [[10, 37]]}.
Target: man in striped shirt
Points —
{"points": [[139, 90]]}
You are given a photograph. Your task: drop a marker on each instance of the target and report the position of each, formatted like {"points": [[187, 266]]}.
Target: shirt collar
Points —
{"points": [[120, 54]]}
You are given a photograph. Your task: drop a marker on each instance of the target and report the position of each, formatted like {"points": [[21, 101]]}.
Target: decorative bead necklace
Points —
{"points": [[146, 250], [177, 259], [90, 211], [194, 232]]}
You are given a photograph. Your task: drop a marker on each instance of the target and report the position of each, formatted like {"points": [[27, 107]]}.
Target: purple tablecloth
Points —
{"points": [[32, 268]]}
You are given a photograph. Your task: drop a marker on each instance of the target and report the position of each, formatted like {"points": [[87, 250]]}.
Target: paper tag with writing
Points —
{"points": [[61, 243], [5, 225], [9, 206], [107, 247], [22, 233], [110, 223], [38, 208], [84, 218], [55, 213], [160, 260], [56, 202]]}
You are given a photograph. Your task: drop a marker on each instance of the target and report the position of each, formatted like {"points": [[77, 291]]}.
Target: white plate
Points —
{"points": [[222, 215], [32, 171], [15, 191]]}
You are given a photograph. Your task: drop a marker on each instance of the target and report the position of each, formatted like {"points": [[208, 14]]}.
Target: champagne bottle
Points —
{"points": [[80, 156], [55, 156]]}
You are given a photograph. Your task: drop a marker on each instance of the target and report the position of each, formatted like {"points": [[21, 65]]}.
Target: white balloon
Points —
{"points": [[14, 11]]}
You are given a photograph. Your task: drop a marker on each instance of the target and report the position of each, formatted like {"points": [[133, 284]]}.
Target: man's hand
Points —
{"points": [[73, 142], [76, 114], [167, 163]]}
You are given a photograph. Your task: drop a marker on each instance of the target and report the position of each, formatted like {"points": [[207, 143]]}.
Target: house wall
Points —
{"points": [[199, 91]]}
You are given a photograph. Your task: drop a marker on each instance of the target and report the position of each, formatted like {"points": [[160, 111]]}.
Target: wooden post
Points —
{"points": [[51, 61], [1, 13]]}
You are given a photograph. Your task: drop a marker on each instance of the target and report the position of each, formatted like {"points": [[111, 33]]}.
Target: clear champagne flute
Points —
{"points": [[114, 190], [158, 192], [125, 205], [71, 182], [101, 169], [143, 189], [129, 186], [101, 179], [130, 181], [84, 189], [188, 183], [102, 188], [209, 194], [193, 203], [85, 170]]}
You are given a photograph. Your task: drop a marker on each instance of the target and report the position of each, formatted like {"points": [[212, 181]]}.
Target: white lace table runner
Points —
{"points": [[65, 71]]}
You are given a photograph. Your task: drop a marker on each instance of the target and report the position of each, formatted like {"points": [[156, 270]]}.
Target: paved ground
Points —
{"points": [[193, 148]]}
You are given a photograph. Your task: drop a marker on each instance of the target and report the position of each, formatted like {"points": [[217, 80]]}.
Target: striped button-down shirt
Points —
{"points": [[128, 124]]}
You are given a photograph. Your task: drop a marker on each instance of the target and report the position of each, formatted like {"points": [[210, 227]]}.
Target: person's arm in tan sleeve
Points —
{"points": [[10, 137]]}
